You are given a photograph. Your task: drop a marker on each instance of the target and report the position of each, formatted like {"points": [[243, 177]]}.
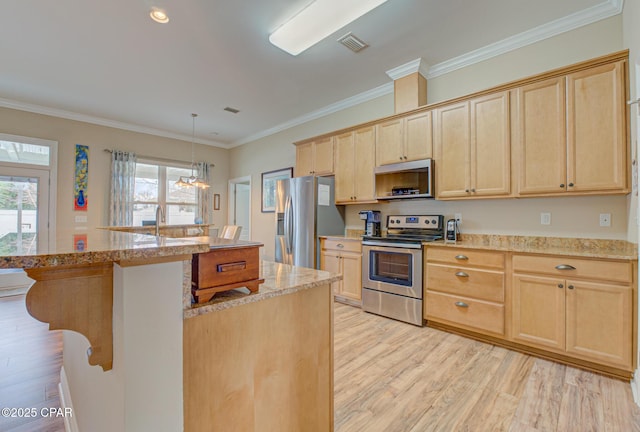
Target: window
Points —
{"points": [[155, 185]]}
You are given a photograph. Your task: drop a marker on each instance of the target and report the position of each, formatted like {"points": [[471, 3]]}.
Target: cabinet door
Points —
{"points": [[352, 276], [596, 129], [538, 311], [542, 147], [490, 146], [330, 261], [323, 156], [452, 151], [345, 167], [418, 137], [599, 323], [389, 138], [304, 159], [364, 164]]}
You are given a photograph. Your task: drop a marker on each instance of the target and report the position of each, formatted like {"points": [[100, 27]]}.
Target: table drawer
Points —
{"points": [[225, 266], [568, 267], [466, 312], [346, 245], [466, 257], [479, 284]]}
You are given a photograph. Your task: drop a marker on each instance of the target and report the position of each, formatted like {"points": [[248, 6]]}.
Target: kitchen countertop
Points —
{"points": [[100, 246], [279, 279], [222, 243], [579, 247]]}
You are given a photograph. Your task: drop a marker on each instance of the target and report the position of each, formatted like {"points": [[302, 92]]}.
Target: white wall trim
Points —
{"points": [[329, 109], [417, 65], [635, 387], [70, 423], [70, 115], [595, 13]]}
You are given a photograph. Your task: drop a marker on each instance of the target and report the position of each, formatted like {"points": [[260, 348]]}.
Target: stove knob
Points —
{"points": [[426, 221], [392, 221], [434, 221], [397, 220]]}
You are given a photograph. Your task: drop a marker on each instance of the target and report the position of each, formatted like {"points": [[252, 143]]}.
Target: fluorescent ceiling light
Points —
{"points": [[317, 21]]}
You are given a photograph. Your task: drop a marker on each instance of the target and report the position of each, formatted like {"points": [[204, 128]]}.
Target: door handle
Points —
{"points": [[462, 274], [565, 267]]}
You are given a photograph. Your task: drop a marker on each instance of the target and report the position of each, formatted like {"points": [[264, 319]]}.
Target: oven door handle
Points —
{"points": [[380, 245]]}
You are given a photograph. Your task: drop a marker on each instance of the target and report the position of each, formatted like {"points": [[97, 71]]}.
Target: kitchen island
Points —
{"points": [[168, 357]]}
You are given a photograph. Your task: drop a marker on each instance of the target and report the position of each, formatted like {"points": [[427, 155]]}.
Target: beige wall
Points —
{"points": [[68, 133], [575, 217]]}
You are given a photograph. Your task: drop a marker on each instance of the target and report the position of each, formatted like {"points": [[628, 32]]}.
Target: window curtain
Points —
{"points": [[123, 176], [204, 195]]}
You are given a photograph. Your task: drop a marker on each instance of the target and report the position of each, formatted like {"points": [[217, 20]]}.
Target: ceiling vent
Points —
{"points": [[232, 110], [352, 42]]}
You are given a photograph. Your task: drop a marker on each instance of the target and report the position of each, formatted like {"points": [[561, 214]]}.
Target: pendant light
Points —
{"points": [[192, 181]]}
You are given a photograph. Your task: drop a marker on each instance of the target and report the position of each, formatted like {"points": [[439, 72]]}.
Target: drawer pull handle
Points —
{"points": [[565, 267], [462, 257], [560, 286], [462, 274], [340, 245], [462, 304], [570, 287], [240, 265]]}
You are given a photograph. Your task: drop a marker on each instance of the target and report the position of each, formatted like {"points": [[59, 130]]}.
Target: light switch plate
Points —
{"points": [[545, 218], [81, 219]]}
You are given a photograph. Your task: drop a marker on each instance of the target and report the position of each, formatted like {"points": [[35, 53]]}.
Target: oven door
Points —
{"points": [[393, 269]]}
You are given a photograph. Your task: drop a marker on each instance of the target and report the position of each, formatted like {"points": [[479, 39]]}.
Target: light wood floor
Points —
{"points": [[389, 376], [395, 377], [30, 362]]}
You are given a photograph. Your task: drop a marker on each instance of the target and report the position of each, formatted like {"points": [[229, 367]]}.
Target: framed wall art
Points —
{"points": [[269, 187]]}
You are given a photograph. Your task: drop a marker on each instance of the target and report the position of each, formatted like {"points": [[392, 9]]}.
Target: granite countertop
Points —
{"points": [[279, 279], [222, 243], [579, 247], [152, 227], [96, 246]]}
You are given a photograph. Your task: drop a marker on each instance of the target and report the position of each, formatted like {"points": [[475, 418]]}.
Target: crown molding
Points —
{"points": [[70, 115], [587, 16], [417, 65], [329, 109]]}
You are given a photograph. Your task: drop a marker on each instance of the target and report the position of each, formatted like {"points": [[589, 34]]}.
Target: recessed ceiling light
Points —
{"points": [[158, 15]]}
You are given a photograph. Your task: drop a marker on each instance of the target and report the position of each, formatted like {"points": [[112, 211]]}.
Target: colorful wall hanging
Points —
{"points": [[81, 178], [79, 242]]}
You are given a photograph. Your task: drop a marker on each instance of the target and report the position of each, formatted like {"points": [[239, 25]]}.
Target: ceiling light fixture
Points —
{"points": [[317, 21], [193, 180], [159, 15]]}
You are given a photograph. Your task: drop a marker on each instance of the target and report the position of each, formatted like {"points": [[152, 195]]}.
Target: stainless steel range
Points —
{"points": [[392, 266]]}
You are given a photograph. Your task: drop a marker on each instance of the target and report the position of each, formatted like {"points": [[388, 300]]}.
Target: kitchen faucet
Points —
{"points": [[159, 218]]}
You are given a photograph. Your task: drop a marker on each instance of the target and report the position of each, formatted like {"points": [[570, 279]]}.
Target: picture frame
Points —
{"points": [[268, 190], [216, 201]]}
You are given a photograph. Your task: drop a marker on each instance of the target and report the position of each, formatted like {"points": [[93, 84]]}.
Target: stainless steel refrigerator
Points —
{"points": [[305, 209]]}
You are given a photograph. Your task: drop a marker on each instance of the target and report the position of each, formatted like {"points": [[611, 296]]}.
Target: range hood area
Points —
{"points": [[405, 180]]}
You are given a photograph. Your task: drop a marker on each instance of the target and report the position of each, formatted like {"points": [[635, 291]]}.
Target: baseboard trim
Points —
{"points": [[70, 423], [635, 387]]}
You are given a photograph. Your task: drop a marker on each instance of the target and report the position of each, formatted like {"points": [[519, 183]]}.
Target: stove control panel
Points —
{"points": [[415, 221]]}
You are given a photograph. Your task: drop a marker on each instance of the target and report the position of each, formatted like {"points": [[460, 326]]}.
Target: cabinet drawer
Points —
{"points": [[480, 284], [614, 271], [477, 314], [343, 245], [225, 266], [466, 257]]}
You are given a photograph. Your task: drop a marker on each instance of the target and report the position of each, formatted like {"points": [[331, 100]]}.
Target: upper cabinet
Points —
{"points": [[473, 148], [355, 162], [315, 157], [404, 139], [571, 133]]}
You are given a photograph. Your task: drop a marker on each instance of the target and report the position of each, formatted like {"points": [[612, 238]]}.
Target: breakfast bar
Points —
{"points": [[165, 364]]}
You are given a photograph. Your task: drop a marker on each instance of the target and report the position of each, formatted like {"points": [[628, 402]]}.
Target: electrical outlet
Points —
{"points": [[545, 218], [458, 218], [605, 219]]}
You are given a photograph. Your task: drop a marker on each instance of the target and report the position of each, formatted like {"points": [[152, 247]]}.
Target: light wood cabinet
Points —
{"points": [[572, 133], [586, 319], [344, 256], [355, 159], [315, 157], [466, 289], [473, 148], [404, 139]]}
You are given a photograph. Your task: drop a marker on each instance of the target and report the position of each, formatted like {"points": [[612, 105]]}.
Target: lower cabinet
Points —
{"points": [[581, 317], [576, 310], [344, 256]]}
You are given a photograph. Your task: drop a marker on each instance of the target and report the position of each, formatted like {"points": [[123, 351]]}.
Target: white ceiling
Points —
{"points": [[109, 63]]}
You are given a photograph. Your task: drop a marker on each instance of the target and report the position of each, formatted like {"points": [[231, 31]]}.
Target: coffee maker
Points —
{"points": [[372, 222]]}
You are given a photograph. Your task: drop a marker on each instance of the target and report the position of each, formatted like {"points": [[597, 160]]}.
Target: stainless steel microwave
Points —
{"points": [[405, 180]]}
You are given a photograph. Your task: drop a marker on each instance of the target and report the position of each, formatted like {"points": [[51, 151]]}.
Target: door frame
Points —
{"points": [[232, 200]]}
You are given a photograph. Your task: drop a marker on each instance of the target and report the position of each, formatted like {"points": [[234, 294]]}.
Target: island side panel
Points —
{"points": [[263, 366]]}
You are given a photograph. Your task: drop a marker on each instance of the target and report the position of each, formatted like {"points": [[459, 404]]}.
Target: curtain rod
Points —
{"points": [[154, 158]]}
